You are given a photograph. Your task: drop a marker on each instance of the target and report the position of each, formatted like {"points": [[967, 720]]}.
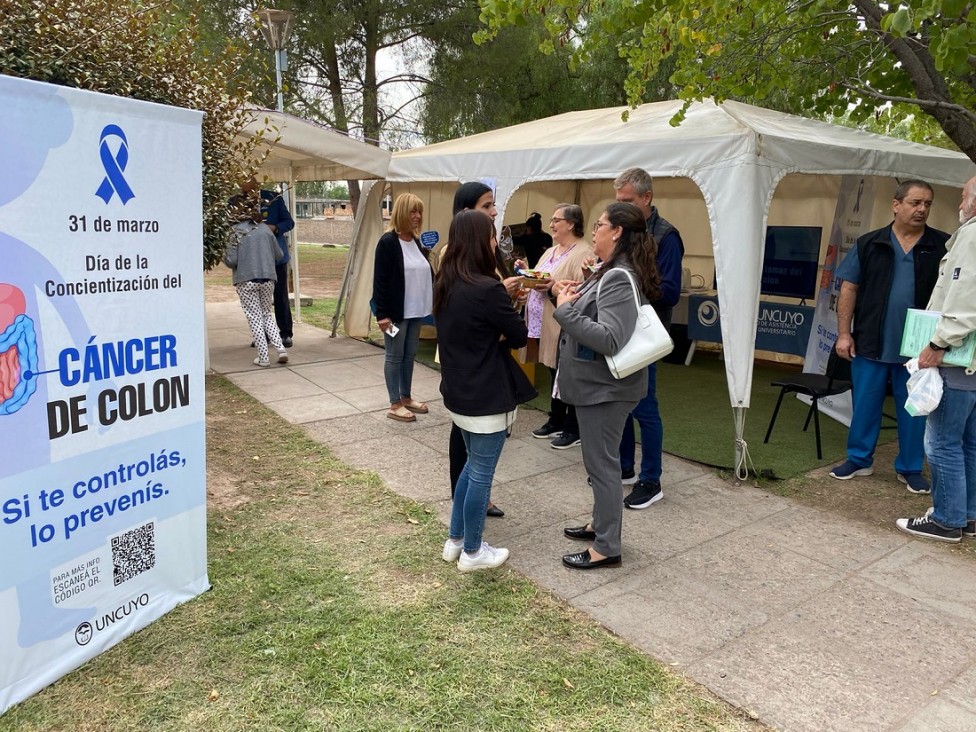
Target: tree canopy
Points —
{"points": [[129, 49], [858, 59]]}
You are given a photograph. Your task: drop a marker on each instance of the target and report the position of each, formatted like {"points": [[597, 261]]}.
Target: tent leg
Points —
{"points": [[294, 240], [743, 461]]}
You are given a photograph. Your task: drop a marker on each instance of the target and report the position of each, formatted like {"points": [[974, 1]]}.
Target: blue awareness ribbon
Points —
{"points": [[114, 181]]}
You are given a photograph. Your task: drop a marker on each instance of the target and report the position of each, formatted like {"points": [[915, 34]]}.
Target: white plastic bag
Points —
{"points": [[924, 389]]}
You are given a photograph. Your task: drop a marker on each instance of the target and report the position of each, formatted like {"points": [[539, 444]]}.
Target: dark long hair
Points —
{"points": [[636, 247], [466, 255], [468, 194]]}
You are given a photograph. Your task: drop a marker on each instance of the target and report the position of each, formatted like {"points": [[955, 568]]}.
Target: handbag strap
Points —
{"points": [[633, 286]]}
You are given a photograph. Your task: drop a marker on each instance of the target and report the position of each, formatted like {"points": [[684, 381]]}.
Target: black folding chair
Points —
{"points": [[837, 380]]}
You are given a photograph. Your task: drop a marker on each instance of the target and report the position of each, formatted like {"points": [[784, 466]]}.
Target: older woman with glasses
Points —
{"points": [[563, 261], [598, 317]]}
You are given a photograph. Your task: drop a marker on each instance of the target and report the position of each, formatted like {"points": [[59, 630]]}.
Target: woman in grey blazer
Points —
{"points": [[597, 318]]}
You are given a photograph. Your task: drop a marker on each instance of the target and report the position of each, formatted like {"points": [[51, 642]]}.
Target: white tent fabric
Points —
{"points": [[293, 149], [736, 155]]}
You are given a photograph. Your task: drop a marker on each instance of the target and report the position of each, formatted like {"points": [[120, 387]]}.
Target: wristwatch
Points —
{"points": [[937, 348]]}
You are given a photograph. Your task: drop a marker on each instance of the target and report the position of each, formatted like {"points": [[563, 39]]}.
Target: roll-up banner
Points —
{"points": [[102, 476]]}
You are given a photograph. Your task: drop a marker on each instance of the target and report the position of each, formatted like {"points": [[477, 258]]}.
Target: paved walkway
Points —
{"points": [[807, 620]]}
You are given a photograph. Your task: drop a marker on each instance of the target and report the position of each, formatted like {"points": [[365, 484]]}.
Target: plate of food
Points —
{"points": [[531, 276]]}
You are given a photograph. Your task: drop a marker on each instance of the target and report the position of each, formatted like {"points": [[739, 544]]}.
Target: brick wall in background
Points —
{"points": [[325, 231]]}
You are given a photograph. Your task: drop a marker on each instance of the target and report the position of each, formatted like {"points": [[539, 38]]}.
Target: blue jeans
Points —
{"points": [[400, 353], [950, 444], [474, 487], [870, 383], [648, 416]]}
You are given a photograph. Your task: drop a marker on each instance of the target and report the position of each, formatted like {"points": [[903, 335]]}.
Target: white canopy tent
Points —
{"points": [[294, 149], [720, 176]]}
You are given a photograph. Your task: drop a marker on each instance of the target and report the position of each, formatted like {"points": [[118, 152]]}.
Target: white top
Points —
{"points": [[486, 424], [418, 290]]}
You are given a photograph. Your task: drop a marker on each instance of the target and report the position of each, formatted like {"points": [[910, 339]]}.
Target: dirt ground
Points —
{"points": [[321, 277]]}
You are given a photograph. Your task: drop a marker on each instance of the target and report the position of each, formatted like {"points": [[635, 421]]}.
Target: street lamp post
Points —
{"points": [[276, 26]]}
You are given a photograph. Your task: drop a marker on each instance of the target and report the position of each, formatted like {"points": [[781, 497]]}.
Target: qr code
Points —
{"points": [[133, 552]]}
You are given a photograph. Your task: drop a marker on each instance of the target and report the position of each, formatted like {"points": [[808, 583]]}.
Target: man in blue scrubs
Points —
{"points": [[887, 272]]}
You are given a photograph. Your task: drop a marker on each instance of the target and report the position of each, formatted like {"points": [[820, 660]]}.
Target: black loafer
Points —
{"points": [[579, 532], [494, 511], [581, 560]]}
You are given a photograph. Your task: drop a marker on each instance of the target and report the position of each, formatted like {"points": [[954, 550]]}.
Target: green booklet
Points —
{"points": [[919, 329]]}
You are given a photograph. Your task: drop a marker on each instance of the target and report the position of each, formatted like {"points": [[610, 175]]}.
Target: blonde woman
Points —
{"points": [[403, 296]]}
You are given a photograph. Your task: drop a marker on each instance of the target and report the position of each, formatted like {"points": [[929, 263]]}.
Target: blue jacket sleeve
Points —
{"points": [[670, 251], [278, 215]]}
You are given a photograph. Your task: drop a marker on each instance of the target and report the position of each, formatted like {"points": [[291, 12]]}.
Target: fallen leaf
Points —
{"points": [[567, 683], [214, 695], [412, 521]]}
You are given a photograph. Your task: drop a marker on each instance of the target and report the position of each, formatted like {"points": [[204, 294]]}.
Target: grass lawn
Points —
{"points": [[332, 610]]}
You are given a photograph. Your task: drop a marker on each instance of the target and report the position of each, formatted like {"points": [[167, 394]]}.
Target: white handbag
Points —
{"points": [[649, 343]]}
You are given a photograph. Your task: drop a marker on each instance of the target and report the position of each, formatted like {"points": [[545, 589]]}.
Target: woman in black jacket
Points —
{"points": [[402, 297], [477, 328]]}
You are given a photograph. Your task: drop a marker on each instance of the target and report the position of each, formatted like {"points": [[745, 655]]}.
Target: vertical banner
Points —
{"points": [[102, 481], [852, 218]]}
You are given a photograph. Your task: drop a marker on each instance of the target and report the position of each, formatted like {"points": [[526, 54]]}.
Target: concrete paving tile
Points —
{"points": [[366, 399], [962, 690], [312, 408], [923, 573], [675, 618], [756, 571], [538, 555], [723, 502], [373, 362], [859, 657], [941, 715], [526, 457], [336, 376], [356, 427], [403, 464], [432, 429], [270, 385], [547, 502], [839, 543]]}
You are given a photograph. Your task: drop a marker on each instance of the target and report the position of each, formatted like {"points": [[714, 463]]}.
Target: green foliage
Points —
{"points": [[506, 80], [820, 57], [322, 189], [142, 51]]}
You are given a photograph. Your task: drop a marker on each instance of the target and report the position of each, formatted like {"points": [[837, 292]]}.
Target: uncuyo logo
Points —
{"points": [[83, 634], [708, 313]]}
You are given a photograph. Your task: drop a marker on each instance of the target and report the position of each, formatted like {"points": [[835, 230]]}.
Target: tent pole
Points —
{"points": [[293, 208], [743, 460], [351, 256]]}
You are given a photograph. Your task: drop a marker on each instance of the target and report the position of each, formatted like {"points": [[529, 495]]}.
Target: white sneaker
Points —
{"points": [[262, 364], [485, 558], [282, 356], [452, 549]]}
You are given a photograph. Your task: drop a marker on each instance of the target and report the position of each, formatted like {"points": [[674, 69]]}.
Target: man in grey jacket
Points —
{"points": [[950, 432]]}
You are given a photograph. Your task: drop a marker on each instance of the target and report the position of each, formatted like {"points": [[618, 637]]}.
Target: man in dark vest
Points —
{"points": [[887, 272], [635, 186]]}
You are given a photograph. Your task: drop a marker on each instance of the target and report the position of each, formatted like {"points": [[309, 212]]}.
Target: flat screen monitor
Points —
{"points": [[790, 261]]}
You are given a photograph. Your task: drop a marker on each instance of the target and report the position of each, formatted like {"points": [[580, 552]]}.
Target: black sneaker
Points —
{"points": [[644, 495], [546, 431], [287, 342], [565, 441], [926, 528], [628, 477], [969, 529]]}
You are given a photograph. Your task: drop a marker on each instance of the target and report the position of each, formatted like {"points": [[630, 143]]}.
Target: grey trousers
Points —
{"points": [[601, 426]]}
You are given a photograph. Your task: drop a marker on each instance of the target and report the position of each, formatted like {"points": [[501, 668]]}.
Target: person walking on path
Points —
{"points": [[275, 215], [635, 186], [598, 317], [950, 431], [251, 256], [403, 293], [477, 328], [888, 271]]}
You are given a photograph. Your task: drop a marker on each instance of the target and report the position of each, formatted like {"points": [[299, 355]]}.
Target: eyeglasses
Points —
{"points": [[554, 219], [598, 224]]}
